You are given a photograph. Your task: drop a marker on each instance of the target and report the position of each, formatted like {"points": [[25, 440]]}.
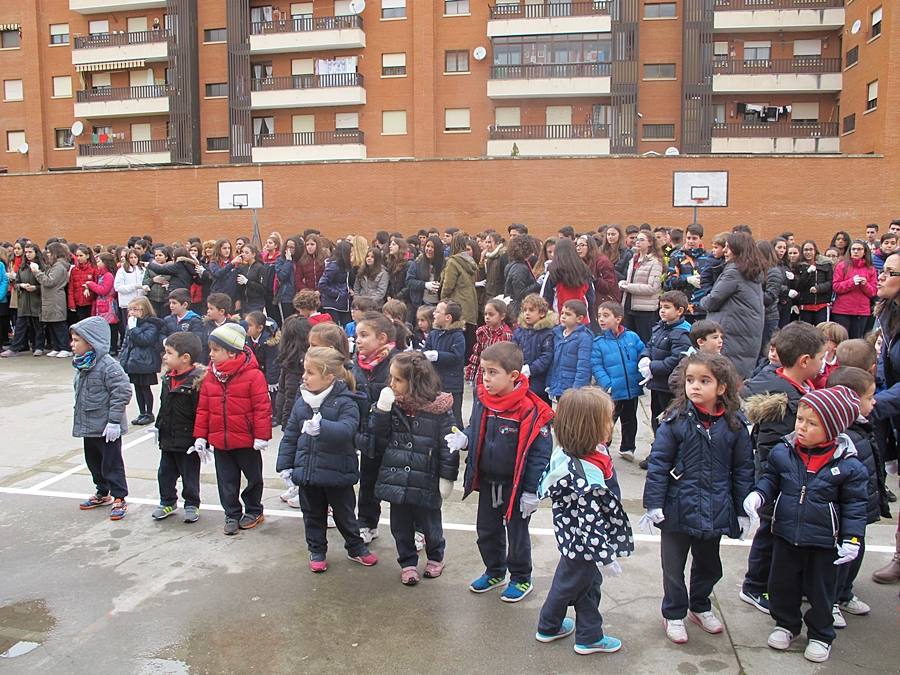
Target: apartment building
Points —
{"points": [[139, 83]]}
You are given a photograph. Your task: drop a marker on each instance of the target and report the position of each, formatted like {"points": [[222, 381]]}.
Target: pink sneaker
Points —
{"points": [[366, 559], [433, 569], [409, 576], [317, 566]]}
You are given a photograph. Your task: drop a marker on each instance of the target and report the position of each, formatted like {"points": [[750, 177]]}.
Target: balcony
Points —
{"points": [[749, 16], [558, 80], [152, 99], [124, 153], [308, 91], [549, 140], [102, 6], [550, 18], [777, 138], [307, 35], [802, 74], [310, 146], [146, 45]]}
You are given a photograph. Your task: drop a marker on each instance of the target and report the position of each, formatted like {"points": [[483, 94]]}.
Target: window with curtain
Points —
{"points": [[59, 33]]}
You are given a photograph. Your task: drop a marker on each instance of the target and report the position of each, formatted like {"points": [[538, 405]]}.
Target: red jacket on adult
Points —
{"points": [[234, 407], [852, 298], [78, 275], [307, 273]]}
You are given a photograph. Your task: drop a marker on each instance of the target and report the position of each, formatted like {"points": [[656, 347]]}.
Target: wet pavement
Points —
{"points": [[81, 594]]}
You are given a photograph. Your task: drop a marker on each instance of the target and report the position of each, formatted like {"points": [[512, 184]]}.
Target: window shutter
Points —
{"points": [[805, 111], [393, 60], [508, 117], [393, 122], [456, 118], [807, 48]]}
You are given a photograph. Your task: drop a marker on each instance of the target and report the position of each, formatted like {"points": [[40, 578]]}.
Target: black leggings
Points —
{"points": [[855, 324], [144, 396]]}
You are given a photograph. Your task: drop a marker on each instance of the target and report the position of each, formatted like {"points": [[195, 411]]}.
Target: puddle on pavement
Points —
{"points": [[24, 627]]}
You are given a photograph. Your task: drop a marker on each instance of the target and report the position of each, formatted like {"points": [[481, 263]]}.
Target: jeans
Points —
{"points": [[106, 465], [855, 324], [405, 520], [230, 464], [576, 583], [173, 465], [706, 570]]}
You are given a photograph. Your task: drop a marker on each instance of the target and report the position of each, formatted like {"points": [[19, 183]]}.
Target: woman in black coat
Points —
{"points": [[423, 277], [181, 273], [519, 280], [252, 277]]}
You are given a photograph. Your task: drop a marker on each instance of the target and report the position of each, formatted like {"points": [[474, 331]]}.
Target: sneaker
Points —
{"points": [[643, 464], [627, 455], [329, 521], [143, 420], [248, 522], [231, 526], [64, 355], [565, 630], [708, 621], [409, 576], [761, 601], [162, 512], [6, 353], [94, 501], [294, 502], [38, 352], [485, 582], [317, 563], [366, 559], [433, 569], [118, 510], [516, 591], [605, 645], [855, 606], [837, 619], [420, 541], [51, 353], [780, 639], [817, 651], [676, 631], [368, 534], [191, 514], [292, 491]]}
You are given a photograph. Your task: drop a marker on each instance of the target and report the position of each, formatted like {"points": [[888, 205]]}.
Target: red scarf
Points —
{"points": [[224, 371], [815, 457], [602, 461], [369, 362]]}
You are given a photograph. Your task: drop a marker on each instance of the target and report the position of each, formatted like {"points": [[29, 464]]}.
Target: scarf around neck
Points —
{"points": [[86, 361], [227, 369], [315, 401], [368, 363]]}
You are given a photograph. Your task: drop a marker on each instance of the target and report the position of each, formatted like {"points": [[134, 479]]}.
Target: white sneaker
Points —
{"points": [[51, 353], [855, 606], [292, 491], [817, 651], [676, 631], [780, 639], [837, 619], [64, 355], [420, 541], [329, 519], [38, 352], [708, 621], [627, 455], [294, 502], [368, 535]]}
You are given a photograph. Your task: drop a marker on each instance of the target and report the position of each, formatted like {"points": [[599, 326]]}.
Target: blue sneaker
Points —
{"points": [[485, 582], [605, 645], [516, 590], [565, 630]]}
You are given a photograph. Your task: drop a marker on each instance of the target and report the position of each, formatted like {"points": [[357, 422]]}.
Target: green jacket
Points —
{"points": [[458, 283]]}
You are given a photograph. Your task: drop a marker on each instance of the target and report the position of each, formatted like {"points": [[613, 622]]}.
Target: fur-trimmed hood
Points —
{"points": [[766, 407], [549, 321], [456, 325]]}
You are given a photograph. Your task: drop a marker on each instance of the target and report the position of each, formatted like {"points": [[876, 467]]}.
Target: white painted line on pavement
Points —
{"points": [[281, 513], [75, 469]]}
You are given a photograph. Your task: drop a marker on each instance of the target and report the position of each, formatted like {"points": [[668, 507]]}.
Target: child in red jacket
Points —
{"points": [[234, 418]]}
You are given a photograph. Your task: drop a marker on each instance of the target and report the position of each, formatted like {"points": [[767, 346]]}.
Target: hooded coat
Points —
{"points": [[29, 301], [53, 282], [178, 409], [450, 345], [103, 391], [818, 276], [141, 352], [458, 283], [850, 297], [180, 272], [536, 343]]}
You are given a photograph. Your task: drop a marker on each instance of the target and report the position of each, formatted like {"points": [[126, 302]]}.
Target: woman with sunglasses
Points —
{"points": [[855, 284], [813, 283]]}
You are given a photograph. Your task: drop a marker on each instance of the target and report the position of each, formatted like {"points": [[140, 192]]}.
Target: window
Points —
{"points": [[261, 14], [852, 57], [393, 122], [456, 61], [807, 48], [659, 10], [872, 95], [393, 65], [99, 27], [876, 23], [59, 33], [805, 113], [757, 51], [456, 119], [10, 39], [261, 70], [303, 124], [301, 10], [718, 113], [393, 9], [342, 8], [658, 132], [263, 126], [217, 144], [64, 139], [720, 49], [452, 7], [62, 86], [558, 115], [548, 49], [346, 120], [659, 71], [214, 89], [507, 117], [214, 35], [302, 67], [136, 24], [101, 80], [849, 123], [12, 90], [14, 139]]}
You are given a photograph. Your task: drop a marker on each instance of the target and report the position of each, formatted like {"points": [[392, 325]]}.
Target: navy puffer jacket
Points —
{"points": [[536, 343], [699, 477], [669, 342], [868, 452], [142, 349], [450, 344]]}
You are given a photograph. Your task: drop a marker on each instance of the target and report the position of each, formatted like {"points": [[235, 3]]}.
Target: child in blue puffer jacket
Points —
{"points": [[534, 335], [572, 342], [614, 363]]}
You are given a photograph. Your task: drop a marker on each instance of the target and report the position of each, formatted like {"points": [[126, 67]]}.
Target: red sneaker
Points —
{"points": [[317, 566], [367, 559]]}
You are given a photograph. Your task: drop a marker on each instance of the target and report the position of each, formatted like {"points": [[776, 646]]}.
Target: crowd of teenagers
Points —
{"points": [[763, 361]]}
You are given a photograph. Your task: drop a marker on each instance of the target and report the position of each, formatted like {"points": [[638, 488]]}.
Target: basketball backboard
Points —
{"points": [[700, 188], [244, 194]]}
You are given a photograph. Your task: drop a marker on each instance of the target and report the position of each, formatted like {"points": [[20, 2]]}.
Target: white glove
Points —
{"points": [[858, 279], [789, 275], [793, 293], [526, 370], [644, 369], [649, 519], [752, 504], [744, 523], [811, 269], [528, 504], [112, 432], [132, 322], [431, 355], [204, 452], [386, 400], [273, 388], [623, 284], [35, 267], [287, 477], [241, 279], [694, 280], [351, 342], [312, 426], [456, 440], [446, 488], [795, 310], [432, 286], [481, 284], [614, 569], [847, 552], [260, 444]]}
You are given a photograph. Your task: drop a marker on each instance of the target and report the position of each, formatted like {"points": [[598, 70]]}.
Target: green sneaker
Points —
{"points": [[162, 512], [516, 590]]}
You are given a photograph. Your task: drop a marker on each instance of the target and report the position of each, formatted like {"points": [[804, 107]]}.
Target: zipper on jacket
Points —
{"points": [[801, 502], [624, 367]]}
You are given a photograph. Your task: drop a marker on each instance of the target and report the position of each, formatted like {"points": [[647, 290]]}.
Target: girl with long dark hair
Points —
{"points": [[334, 284]]}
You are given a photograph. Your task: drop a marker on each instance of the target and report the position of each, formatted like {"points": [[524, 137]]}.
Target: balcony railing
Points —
{"points": [[749, 5], [789, 130], [549, 9], [122, 93], [306, 24], [119, 39], [307, 82], [549, 132], [124, 148], [339, 137], [798, 64], [551, 70]]}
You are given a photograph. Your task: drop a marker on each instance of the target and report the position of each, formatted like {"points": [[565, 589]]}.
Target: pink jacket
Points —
{"points": [[104, 288], [851, 298]]}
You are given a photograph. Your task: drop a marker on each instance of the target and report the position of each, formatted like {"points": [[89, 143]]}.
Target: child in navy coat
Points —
{"points": [[534, 335], [445, 347]]}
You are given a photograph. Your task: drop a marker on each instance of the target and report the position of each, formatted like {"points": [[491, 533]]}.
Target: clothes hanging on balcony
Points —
{"points": [[767, 113]]}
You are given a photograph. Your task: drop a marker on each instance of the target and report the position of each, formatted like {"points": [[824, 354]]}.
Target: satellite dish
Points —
{"points": [[672, 151], [479, 53], [23, 149], [77, 128], [357, 6], [856, 27]]}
